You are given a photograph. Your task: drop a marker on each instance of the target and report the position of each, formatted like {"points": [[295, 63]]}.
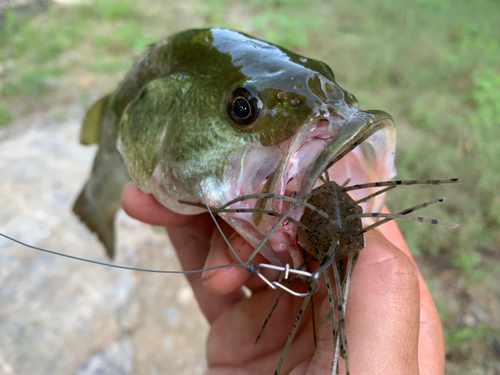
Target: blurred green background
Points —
{"points": [[433, 64]]}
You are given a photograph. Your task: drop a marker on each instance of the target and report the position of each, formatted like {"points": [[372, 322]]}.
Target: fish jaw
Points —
{"points": [[361, 148]]}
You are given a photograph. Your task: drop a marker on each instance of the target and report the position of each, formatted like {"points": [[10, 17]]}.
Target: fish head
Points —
{"points": [[255, 118]]}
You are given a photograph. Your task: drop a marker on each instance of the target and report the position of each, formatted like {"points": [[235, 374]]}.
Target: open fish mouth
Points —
{"points": [[359, 148]]}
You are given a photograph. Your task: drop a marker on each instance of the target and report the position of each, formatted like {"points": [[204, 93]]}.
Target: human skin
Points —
{"points": [[392, 324]]}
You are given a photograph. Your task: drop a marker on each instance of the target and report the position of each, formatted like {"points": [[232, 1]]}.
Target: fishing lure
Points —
{"points": [[330, 230]]}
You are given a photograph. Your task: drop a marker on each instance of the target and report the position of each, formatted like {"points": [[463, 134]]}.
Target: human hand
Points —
{"points": [[392, 323]]}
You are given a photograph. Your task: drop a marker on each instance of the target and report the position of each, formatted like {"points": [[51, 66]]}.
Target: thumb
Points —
{"points": [[383, 310]]}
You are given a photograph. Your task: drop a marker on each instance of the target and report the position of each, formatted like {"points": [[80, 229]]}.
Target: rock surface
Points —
{"points": [[61, 316]]}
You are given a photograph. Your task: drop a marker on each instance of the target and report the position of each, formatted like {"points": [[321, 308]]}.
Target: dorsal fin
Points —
{"points": [[89, 133]]}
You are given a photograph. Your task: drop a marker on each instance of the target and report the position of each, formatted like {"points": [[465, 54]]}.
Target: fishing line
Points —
{"points": [[114, 265], [313, 285], [250, 268]]}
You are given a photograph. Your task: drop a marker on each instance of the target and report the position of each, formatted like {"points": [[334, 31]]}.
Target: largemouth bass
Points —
{"points": [[210, 115]]}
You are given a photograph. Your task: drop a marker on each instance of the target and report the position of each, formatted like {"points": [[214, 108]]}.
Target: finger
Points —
{"points": [[190, 236], [146, 208], [382, 314], [235, 332], [227, 280], [431, 352], [383, 310], [192, 253]]}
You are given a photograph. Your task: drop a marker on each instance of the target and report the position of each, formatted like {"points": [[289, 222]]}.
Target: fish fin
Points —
{"points": [[89, 133], [98, 221]]}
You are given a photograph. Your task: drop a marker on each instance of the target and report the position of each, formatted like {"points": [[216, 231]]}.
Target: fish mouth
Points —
{"points": [[359, 147], [358, 128]]}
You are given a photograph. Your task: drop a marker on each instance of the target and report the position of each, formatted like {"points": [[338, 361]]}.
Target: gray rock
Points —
{"points": [[115, 358], [61, 316]]}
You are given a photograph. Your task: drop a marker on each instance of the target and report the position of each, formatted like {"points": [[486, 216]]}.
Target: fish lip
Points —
{"points": [[357, 128]]}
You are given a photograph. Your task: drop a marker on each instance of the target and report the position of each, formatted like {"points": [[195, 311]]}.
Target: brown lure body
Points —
{"points": [[338, 205]]}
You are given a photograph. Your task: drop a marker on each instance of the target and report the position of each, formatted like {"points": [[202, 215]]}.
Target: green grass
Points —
{"points": [[433, 64], [34, 46], [5, 115]]}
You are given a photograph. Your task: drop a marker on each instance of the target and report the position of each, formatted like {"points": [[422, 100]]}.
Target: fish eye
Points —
{"points": [[242, 106]]}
